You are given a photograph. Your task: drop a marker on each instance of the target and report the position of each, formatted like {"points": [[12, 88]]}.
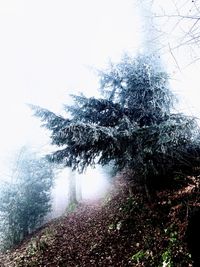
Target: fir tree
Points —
{"points": [[26, 199], [132, 125]]}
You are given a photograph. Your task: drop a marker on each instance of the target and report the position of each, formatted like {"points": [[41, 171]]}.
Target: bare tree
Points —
{"points": [[173, 29]]}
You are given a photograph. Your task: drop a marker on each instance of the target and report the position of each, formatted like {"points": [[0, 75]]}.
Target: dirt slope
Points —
{"points": [[121, 230]]}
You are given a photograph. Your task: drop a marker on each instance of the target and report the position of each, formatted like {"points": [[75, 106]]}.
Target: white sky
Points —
{"points": [[45, 48], [182, 61]]}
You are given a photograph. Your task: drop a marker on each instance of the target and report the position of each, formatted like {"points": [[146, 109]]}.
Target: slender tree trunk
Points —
{"points": [[79, 188], [72, 188], [147, 189]]}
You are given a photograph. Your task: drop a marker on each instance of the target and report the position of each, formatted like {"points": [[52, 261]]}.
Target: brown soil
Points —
{"points": [[124, 229]]}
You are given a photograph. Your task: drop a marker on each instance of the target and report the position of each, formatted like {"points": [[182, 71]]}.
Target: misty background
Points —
{"points": [[47, 51]]}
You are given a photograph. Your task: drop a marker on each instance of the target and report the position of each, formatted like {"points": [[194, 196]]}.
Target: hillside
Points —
{"points": [[124, 229]]}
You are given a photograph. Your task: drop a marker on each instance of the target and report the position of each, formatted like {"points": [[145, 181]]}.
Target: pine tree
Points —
{"points": [[132, 125], [26, 199]]}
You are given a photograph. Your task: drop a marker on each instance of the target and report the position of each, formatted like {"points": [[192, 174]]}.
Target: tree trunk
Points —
{"points": [[72, 188], [79, 188]]}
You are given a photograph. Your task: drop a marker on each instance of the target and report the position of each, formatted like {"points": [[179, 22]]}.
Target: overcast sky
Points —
{"points": [[46, 47]]}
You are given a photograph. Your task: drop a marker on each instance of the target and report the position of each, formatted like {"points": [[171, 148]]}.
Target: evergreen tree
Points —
{"points": [[132, 125], [25, 200]]}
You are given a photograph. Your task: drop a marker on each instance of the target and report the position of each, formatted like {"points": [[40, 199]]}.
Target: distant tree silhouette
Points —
{"points": [[25, 200]]}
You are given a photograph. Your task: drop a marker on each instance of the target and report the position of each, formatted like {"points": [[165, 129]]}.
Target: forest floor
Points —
{"points": [[123, 229]]}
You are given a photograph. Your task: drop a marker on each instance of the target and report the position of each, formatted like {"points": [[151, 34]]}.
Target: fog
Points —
{"points": [[47, 50], [93, 184]]}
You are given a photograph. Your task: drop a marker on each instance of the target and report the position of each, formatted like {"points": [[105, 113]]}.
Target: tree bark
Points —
{"points": [[72, 188]]}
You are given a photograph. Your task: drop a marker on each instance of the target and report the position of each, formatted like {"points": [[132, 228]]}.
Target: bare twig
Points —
{"points": [[174, 57]]}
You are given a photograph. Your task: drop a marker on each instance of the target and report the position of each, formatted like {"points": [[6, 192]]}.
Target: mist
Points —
{"points": [[47, 50], [50, 50], [94, 184], [168, 31]]}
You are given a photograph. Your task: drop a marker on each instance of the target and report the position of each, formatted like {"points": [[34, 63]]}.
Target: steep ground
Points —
{"points": [[124, 229]]}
